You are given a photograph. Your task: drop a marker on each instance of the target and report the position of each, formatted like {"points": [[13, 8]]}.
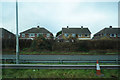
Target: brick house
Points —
{"points": [[5, 34], [108, 33], [36, 32], [77, 33]]}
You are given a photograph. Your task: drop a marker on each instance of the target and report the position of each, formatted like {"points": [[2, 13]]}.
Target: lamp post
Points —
{"points": [[17, 39]]}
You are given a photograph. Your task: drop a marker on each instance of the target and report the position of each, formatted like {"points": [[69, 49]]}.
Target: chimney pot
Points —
{"points": [[82, 27], [67, 26], [110, 26], [38, 26]]}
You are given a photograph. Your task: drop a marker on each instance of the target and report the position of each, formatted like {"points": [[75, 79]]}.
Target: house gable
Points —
{"points": [[78, 33], [35, 32], [5, 34], [109, 32]]}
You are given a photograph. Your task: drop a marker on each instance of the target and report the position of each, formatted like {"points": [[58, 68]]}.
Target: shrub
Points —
{"points": [[83, 46], [25, 43], [40, 44]]}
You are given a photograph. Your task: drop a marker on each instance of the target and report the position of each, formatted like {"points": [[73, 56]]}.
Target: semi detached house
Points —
{"points": [[5, 34], [78, 33], [36, 32], [108, 33]]}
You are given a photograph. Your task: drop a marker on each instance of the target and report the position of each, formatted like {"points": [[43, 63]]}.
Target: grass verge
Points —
{"points": [[92, 52], [66, 53], [43, 73]]}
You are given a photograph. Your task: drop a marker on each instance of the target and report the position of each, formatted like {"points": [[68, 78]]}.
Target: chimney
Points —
{"points": [[38, 26], [110, 26], [81, 27], [67, 27]]}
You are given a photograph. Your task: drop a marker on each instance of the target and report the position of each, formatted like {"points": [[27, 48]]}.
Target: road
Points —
{"points": [[63, 57]]}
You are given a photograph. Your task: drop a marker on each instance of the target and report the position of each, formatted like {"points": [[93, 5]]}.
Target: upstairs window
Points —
{"points": [[118, 35], [104, 34], [32, 35], [86, 35], [48, 35], [23, 35], [2, 35], [73, 35], [39, 34], [112, 35], [66, 35], [79, 35]]}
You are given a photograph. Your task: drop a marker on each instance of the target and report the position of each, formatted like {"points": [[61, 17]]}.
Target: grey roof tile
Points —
{"points": [[36, 30], [76, 30], [3, 31], [109, 31]]}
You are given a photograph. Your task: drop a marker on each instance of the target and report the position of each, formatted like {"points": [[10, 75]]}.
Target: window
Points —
{"points": [[112, 35], [2, 35], [23, 35], [79, 35], [38, 35], [73, 35], [32, 35], [48, 35], [118, 35], [86, 35], [104, 34], [66, 35]]}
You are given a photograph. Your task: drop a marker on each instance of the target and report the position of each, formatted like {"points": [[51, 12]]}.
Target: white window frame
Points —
{"points": [[48, 34], [118, 35], [73, 35], [112, 34], [105, 34], [66, 35], [32, 35], [87, 35], [2, 35], [38, 34], [79, 35], [23, 35]]}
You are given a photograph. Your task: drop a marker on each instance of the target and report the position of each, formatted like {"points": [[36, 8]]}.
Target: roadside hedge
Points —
{"points": [[87, 45], [51, 45], [11, 43]]}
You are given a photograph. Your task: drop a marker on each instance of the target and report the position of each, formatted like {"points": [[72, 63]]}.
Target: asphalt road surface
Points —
{"points": [[63, 57]]}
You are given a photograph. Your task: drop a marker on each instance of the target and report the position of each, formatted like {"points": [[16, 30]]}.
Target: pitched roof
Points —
{"points": [[3, 31], [109, 31], [36, 30], [76, 30]]}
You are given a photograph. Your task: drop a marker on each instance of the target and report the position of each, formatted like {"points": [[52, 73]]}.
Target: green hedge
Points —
{"points": [[11, 43], [87, 45], [51, 45]]}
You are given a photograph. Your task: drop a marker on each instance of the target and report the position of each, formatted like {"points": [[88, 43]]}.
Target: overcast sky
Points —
{"points": [[55, 15]]}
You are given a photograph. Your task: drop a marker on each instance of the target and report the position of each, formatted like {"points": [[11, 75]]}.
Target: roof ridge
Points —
{"points": [[36, 30], [7, 31], [76, 28]]}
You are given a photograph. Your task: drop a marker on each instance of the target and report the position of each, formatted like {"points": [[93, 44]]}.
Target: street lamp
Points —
{"points": [[17, 39]]}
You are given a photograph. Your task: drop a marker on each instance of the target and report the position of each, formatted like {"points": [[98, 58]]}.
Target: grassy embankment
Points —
{"points": [[60, 53], [30, 73]]}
